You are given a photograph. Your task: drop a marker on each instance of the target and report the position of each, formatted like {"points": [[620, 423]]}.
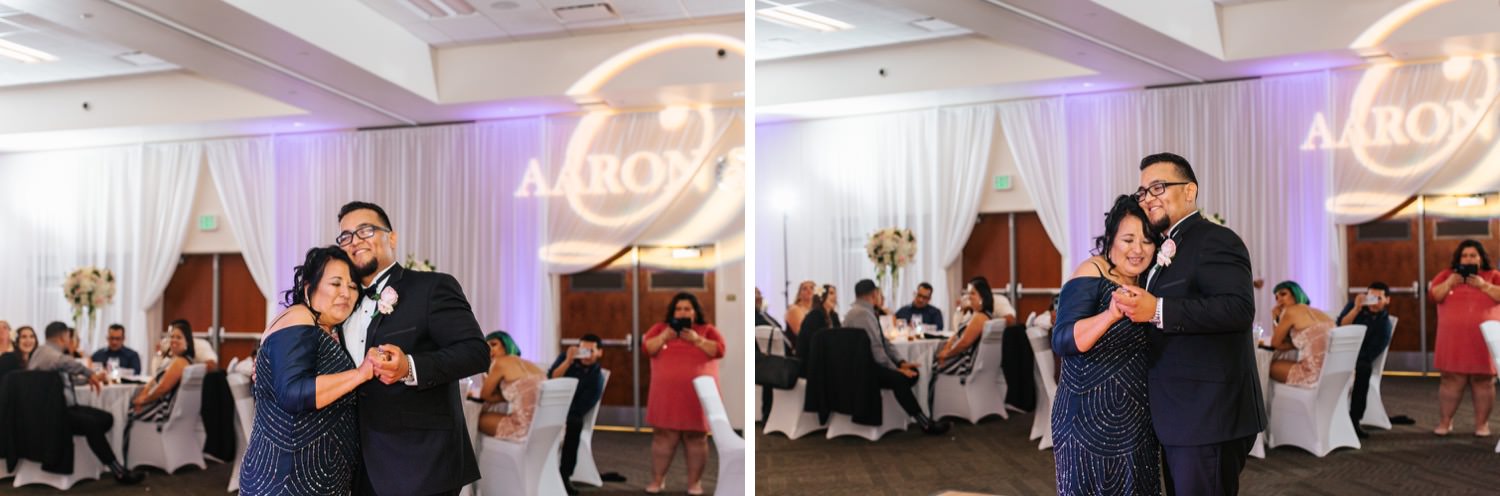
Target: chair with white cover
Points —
{"points": [[86, 466], [531, 467], [1316, 419], [1375, 415], [787, 416], [586, 471], [1046, 386], [1491, 330], [244, 420], [892, 418], [730, 446], [982, 392], [175, 443]]}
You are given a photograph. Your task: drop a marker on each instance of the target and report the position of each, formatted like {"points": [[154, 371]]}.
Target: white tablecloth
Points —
{"points": [[114, 399], [920, 352], [1263, 370]]}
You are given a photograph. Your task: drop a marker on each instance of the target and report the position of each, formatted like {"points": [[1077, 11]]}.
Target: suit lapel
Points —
{"points": [[1158, 271], [377, 318]]}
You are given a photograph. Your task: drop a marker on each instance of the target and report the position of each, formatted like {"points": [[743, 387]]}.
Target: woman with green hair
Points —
{"points": [[510, 390], [1300, 337]]}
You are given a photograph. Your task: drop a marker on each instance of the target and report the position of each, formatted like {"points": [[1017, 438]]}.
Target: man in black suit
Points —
{"points": [[1206, 403], [412, 429]]}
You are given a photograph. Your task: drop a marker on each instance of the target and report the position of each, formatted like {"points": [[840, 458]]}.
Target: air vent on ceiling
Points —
{"points": [[439, 9], [586, 12], [935, 25]]}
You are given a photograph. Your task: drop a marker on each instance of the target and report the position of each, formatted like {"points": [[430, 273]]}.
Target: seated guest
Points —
{"points": [[921, 306], [956, 355], [154, 401], [799, 309], [763, 318], [510, 390], [890, 370], [24, 346], [579, 362], [6, 344], [1044, 319], [824, 315], [91, 423], [73, 345], [126, 357], [204, 351], [1302, 328], [1370, 310]]}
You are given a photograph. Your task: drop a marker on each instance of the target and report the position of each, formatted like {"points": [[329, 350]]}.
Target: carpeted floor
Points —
{"points": [[627, 453], [994, 457]]}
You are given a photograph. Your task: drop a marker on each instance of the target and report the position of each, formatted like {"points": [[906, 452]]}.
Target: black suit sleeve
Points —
{"points": [[450, 323], [1223, 279]]}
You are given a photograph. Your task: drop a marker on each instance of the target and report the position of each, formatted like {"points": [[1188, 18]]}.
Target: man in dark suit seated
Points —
{"points": [[922, 306], [893, 373], [1206, 401], [128, 358], [91, 423]]}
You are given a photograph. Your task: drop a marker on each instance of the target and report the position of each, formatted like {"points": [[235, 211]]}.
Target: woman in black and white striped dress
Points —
{"points": [[154, 402]]}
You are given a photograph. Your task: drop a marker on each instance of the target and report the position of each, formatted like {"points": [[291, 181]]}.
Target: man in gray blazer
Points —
{"points": [[91, 423], [892, 372]]}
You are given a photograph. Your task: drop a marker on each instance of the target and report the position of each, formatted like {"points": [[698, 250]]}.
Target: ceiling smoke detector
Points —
{"points": [[587, 12]]}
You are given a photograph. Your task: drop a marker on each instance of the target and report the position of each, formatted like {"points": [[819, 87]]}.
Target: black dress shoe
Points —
{"points": [[568, 486], [130, 477], [1360, 432]]}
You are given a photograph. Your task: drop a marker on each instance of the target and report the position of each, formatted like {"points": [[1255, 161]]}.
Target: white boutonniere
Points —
{"points": [[1165, 254], [387, 301]]}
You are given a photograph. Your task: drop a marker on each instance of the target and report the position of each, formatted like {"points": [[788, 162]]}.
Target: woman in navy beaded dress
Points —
{"points": [[305, 439], [1103, 441]]}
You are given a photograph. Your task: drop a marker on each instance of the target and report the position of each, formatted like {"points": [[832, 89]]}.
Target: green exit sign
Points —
{"points": [[208, 223], [1002, 183]]}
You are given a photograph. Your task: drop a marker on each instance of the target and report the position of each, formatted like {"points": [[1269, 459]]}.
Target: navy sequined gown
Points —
{"points": [[1102, 437], [296, 448]]}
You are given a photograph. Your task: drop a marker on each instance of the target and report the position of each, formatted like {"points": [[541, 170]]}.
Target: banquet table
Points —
{"points": [[919, 352], [114, 399]]}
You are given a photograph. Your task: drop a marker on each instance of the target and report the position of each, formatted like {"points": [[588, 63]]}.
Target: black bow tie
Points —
{"points": [[370, 291]]}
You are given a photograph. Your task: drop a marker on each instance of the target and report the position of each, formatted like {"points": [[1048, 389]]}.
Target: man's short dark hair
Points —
{"points": [[863, 288], [1380, 286], [1184, 169], [592, 338], [56, 329], [924, 285], [359, 205], [117, 326]]}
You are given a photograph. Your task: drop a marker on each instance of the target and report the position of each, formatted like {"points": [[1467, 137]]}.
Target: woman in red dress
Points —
{"points": [[682, 347], [1461, 354]]}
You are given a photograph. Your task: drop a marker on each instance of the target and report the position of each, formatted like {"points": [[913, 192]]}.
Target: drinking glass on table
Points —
{"points": [[916, 322], [113, 366]]}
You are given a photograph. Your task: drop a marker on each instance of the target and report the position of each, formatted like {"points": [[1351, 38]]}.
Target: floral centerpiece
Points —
{"points": [[891, 249], [414, 265], [88, 289]]}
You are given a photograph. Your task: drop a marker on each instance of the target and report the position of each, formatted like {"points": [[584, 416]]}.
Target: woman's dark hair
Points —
{"points": [[986, 296], [1125, 205], [697, 309], [508, 344], [1298, 295], [191, 351], [1484, 258], [306, 276], [25, 357]]}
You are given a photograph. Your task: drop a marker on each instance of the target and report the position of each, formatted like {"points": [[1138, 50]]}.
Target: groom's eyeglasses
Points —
{"points": [[364, 232], [1156, 189]]}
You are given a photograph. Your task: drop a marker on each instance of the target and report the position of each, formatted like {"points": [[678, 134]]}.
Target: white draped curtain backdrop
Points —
{"points": [[834, 182], [122, 208], [451, 193], [1287, 161]]}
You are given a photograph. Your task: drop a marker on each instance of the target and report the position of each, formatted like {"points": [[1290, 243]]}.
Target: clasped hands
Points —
{"points": [[1134, 303], [387, 362]]}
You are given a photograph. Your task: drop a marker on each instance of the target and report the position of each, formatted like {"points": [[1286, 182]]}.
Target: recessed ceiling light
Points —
{"points": [[140, 59], [1088, 85], [588, 12], [935, 25], [23, 53], [439, 9], [798, 18]]}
